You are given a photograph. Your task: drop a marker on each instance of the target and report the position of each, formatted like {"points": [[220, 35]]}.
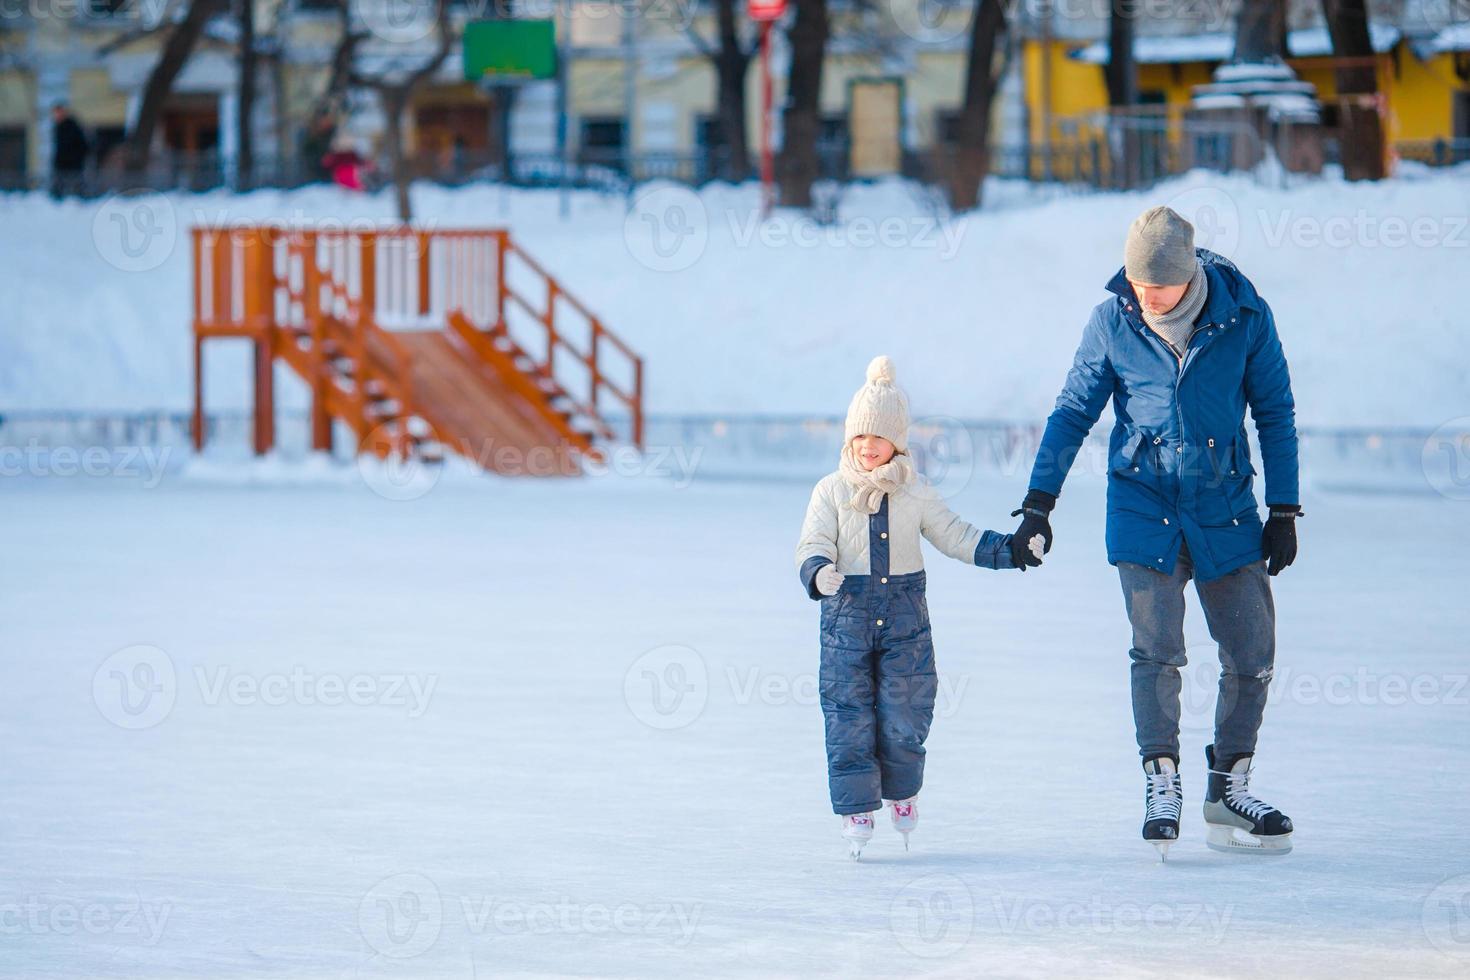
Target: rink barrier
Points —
{"points": [[784, 448]]}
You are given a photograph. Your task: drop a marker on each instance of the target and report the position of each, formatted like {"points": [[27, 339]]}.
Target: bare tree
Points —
{"points": [[245, 139], [182, 38], [395, 87], [801, 120], [1120, 74], [1260, 31], [731, 61], [972, 139], [1357, 86]]}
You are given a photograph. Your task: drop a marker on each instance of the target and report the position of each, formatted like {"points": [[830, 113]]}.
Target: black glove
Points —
{"points": [[1278, 540], [1035, 507]]}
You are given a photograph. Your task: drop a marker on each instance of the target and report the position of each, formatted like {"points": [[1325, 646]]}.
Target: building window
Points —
{"points": [[603, 141], [105, 141], [833, 147], [12, 156], [834, 131], [709, 134], [946, 126]]}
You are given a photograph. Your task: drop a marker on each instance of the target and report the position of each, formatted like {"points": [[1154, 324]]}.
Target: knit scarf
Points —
{"points": [[1177, 326], [869, 486]]}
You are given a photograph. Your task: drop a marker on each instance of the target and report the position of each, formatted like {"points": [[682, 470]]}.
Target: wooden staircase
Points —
{"points": [[419, 343]]}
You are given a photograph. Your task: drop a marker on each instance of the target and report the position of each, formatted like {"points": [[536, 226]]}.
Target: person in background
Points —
{"points": [[344, 164], [68, 151]]}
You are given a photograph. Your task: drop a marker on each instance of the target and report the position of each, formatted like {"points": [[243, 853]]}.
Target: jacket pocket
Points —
{"points": [[1125, 460], [1241, 455], [1134, 483], [1225, 495]]}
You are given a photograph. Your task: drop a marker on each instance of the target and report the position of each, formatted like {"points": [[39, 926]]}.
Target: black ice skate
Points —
{"points": [[1237, 820], [1162, 801]]}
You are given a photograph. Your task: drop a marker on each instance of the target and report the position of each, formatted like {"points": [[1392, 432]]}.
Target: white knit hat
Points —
{"points": [[880, 408]]}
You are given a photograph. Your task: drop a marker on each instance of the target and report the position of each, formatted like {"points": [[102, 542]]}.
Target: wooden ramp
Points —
{"points": [[420, 343], [479, 416]]}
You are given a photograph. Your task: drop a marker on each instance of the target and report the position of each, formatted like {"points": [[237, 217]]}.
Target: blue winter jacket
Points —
{"points": [[1178, 460]]}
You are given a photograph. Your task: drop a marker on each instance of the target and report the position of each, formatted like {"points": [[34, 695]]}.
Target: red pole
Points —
{"points": [[768, 191]]}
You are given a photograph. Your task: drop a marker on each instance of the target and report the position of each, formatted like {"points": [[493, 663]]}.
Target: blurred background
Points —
{"points": [[408, 409], [198, 94]]}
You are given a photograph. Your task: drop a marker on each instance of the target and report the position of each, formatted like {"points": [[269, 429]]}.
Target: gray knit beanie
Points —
{"points": [[1160, 249]]}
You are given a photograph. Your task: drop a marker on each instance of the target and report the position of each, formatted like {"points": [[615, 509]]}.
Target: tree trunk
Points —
{"points": [[394, 99], [972, 139], [176, 51], [340, 77], [801, 120], [1362, 127], [244, 141], [731, 65], [1121, 75], [1260, 31], [394, 102]]}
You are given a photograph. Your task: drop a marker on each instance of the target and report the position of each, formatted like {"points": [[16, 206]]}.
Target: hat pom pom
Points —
{"points": [[881, 370]]}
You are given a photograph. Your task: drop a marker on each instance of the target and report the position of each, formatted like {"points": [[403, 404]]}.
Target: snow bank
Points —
{"points": [[981, 313]]}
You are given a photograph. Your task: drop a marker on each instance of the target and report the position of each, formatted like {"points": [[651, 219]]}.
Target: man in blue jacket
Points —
{"points": [[1182, 348]]}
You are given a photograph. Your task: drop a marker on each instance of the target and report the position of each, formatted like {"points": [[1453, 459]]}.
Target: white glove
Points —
{"points": [[829, 580], [1037, 544]]}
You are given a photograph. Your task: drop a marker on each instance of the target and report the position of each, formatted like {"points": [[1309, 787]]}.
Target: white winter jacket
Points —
{"points": [[834, 531]]}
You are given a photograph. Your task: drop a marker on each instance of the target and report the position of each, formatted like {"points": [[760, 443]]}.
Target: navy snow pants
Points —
{"points": [[877, 682]]}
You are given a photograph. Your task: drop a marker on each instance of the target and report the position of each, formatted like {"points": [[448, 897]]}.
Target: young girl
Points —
{"points": [[859, 555]]}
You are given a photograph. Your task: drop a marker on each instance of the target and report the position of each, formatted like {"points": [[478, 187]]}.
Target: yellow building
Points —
{"points": [[1424, 83]]}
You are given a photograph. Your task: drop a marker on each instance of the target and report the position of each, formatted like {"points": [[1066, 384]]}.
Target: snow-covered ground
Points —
{"points": [[281, 727], [981, 314]]}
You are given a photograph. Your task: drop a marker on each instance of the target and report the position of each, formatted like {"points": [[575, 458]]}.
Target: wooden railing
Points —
{"points": [[592, 356], [354, 290]]}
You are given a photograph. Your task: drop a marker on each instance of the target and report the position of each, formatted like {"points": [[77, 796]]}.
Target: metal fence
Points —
{"points": [[733, 448], [1435, 153], [1096, 152]]}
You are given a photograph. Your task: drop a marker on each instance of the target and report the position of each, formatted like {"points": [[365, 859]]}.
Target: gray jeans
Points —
{"points": [[1242, 620]]}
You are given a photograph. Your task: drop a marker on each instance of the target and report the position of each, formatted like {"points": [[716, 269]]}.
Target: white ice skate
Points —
{"points": [[905, 815], [1162, 801], [857, 828]]}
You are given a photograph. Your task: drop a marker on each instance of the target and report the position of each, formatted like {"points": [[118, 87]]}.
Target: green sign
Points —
{"points": [[509, 49]]}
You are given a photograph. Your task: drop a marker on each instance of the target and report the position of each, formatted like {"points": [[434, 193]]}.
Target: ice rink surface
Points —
{"points": [[525, 728]]}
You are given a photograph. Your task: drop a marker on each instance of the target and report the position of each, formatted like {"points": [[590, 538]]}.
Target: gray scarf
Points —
{"points": [[1177, 326]]}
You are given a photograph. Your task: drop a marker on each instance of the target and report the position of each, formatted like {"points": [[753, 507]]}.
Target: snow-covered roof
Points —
{"points": [[1307, 42], [1455, 38]]}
